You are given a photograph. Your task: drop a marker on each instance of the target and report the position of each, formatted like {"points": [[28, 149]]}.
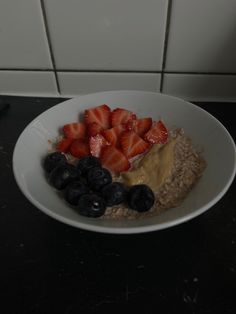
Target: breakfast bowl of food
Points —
{"points": [[124, 161]]}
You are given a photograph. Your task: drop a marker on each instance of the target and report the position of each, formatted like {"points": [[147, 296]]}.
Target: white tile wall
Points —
{"points": [[23, 42], [28, 83], [81, 83], [58, 47], [201, 87], [107, 34], [202, 36]]}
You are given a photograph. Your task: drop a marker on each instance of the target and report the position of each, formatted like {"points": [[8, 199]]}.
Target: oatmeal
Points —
{"points": [[120, 166]]}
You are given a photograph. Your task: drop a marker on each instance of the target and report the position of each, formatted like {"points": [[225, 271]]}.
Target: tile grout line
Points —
{"points": [[50, 44], [109, 71], [168, 16], [201, 73], [81, 71], [117, 71], [26, 70]]}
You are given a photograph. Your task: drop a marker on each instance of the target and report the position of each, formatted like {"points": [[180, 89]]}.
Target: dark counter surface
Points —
{"points": [[49, 267]]}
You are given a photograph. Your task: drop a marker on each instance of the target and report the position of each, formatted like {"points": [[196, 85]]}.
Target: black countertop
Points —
{"points": [[49, 267]]}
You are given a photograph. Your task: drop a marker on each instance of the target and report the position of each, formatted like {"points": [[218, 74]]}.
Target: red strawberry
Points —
{"points": [[96, 143], [119, 116], [79, 148], [64, 145], [94, 129], [157, 134], [74, 130], [113, 159], [139, 126], [132, 144], [99, 115], [112, 135]]}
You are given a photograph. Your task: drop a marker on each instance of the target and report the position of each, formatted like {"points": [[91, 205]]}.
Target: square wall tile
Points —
{"points": [[107, 34], [202, 36], [83, 83], [23, 42], [201, 87], [28, 83]]}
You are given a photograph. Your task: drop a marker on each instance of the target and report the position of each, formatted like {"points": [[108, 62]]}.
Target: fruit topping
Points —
{"points": [[74, 130], [140, 198], [53, 160], [74, 191], [121, 116], [64, 145], [98, 177], [157, 134], [114, 160], [79, 148], [113, 135], [104, 142], [62, 175], [94, 129], [132, 144], [91, 205], [87, 163], [96, 143], [114, 193], [99, 115], [139, 126]]}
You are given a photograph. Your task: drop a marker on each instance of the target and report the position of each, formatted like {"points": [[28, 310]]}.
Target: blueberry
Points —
{"points": [[98, 177], [62, 175], [74, 191], [91, 205], [114, 193], [140, 197], [88, 162], [53, 160]]}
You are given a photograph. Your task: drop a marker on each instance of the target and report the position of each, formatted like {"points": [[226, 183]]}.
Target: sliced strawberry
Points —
{"points": [[112, 135], [74, 130], [121, 116], [79, 148], [132, 144], [157, 134], [96, 143], [94, 129], [139, 126], [99, 115], [64, 145], [113, 159]]}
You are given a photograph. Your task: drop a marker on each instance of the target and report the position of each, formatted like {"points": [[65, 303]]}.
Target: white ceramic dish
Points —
{"points": [[206, 132]]}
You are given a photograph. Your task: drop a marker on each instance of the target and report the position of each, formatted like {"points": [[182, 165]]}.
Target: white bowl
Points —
{"points": [[205, 131]]}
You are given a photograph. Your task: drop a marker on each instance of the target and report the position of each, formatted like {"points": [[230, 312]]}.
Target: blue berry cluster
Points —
{"points": [[89, 188]]}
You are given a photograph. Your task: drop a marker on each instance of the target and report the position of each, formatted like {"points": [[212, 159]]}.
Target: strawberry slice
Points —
{"points": [[114, 160], [139, 126], [132, 144], [74, 130], [64, 145], [157, 134], [112, 135], [121, 116], [99, 115], [96, 143], [79, 148], [94, 129]]}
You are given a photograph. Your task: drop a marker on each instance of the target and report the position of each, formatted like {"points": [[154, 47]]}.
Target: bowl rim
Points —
{"points": [[121, 230]]}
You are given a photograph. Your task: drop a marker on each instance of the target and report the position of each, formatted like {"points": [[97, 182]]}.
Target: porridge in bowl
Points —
{"points": [[114, 165]]}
